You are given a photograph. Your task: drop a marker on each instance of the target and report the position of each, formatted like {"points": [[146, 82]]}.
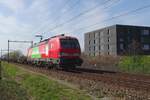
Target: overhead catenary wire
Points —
{"points": [[35, 31], [80, 14], [117, 16], [73, 7], [66, 11], [103, 8], [70, 10]]}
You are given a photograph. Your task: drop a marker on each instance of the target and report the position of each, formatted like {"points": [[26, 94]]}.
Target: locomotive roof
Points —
{"points": [[46, 40], [59, 37]]}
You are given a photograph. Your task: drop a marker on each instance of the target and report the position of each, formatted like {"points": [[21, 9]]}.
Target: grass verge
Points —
{"points": [[135, 64], [10, 90], [40, 87]]}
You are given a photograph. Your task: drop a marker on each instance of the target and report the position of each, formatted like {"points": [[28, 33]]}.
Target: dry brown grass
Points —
{"points": [[103, 60]]}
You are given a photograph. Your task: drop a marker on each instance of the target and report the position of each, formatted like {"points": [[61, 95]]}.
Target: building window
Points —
{"points": [[121, 46], [146, 47], [108, 39], [121, 39], [99, 40], [99, 47], [108, 32], [94, 48], [89, 41], [89, 48], [94, 41], [108, 46], [145, 32]]}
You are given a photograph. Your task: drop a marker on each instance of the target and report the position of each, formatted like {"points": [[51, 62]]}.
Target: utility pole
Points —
{"points": [[31, 43], [0, 70], [1, 53], [1, 66], [17, 42], [8, 52]]}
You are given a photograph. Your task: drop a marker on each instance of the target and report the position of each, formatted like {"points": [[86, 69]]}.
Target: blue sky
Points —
{"points": [[23, 19]]}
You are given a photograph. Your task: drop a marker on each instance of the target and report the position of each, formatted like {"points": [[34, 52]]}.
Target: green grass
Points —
{"points": [[135, 64], [39, 87], [10, 90]]}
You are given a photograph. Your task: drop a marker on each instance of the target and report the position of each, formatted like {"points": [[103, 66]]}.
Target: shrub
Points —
{"points": [[135, 64], [103, 60]]}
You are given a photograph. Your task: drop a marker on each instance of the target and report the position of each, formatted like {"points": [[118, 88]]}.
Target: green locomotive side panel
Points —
{"points": [[35, 53]]}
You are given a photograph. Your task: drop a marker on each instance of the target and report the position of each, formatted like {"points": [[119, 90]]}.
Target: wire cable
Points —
{"points": [[79, 15], [104, 8], [61, 7], [117, 16], [47, 23]]}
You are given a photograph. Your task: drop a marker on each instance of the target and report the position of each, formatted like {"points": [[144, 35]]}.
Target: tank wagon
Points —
{"points": [[58, 51]]}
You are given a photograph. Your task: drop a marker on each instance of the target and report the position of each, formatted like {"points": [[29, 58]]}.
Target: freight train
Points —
{"points": [[58, 51]]}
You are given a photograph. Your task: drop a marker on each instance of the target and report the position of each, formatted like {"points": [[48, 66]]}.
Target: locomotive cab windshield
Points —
{"points": [[69, 44]]}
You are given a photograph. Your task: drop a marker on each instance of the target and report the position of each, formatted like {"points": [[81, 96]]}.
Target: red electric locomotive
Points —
{"points": [[61, 51]]}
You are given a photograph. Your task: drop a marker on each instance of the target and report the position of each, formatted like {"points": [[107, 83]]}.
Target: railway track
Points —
{"points": [[117, 79], [124, 81]]}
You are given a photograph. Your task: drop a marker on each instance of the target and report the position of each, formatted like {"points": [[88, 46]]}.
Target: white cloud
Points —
{"points": [[14, 5], [10, 25], [11, 29]]}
